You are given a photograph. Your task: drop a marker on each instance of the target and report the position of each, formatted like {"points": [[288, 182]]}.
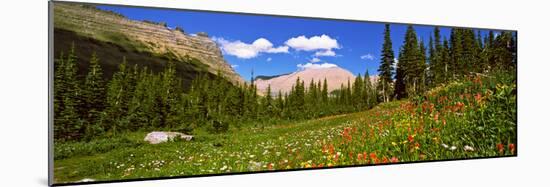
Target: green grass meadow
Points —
{"points": [[472, 118]]}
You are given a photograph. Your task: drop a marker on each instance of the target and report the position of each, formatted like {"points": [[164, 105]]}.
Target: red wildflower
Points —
{"points": [[359, 156], [346, 133], [394, 160], [410, 138], [512, 148], [372, 155], [500, 148], [436, 117], [269, 166], [460, 105], [478, 97], [385, 160]]}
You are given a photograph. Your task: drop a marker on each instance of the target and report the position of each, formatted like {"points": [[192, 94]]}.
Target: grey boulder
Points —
{"points": [[157, 137]]}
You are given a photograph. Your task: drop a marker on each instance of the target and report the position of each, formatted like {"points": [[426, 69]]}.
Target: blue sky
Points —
{"points": [[276, 45]]}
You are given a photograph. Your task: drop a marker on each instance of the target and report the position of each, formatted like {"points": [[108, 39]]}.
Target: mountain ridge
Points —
{"points": [[335, 76], [143, 37]]}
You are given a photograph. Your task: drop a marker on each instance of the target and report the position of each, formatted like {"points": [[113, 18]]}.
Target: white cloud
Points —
{"points": [[316, 66], [323, 42], [325, 53], [367, 57], [234, 66], [247, 51], [280, 49], [313, 60], [268, 59]]}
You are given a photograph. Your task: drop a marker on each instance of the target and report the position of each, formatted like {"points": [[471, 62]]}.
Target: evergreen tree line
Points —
{"points": [[135, 98], [419, 68]]}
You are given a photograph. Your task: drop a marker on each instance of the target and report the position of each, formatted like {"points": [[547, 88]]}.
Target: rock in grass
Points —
{"points": [[157, 137]]}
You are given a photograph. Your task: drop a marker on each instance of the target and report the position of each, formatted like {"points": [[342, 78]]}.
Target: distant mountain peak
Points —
{"points": [[335, 76]]}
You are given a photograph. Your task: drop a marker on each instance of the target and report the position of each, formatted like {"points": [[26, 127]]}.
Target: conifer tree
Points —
{"points": [[385, 71], [421, 68], [504, 51], [93, 95], [469, 53], [141, 107], [446, 61], [437, 64], [59, 91], [319, 87], [399, 89], [325, 91], [432, 70], [280, 103], [167, 95], [348, 94], [411, 63], [235, 99], [268, 101], [312, 95], [370, 97], [481, 64], [490, 45], [437, 40], [358, 91], [456, 53], [117, 97], [300, 96], [340, 95], [68, 124]]}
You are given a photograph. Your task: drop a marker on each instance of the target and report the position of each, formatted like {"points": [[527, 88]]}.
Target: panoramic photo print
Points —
{"points": [[147, 93]]}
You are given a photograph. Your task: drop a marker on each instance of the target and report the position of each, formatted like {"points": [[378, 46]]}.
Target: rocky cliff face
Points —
{"points": [[155, 38]]}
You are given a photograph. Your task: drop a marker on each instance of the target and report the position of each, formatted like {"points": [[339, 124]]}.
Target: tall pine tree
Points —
{"points": [[93, 96], [385, 71], [68, 124], [358, 92], [117, 99], [411, 64]]}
